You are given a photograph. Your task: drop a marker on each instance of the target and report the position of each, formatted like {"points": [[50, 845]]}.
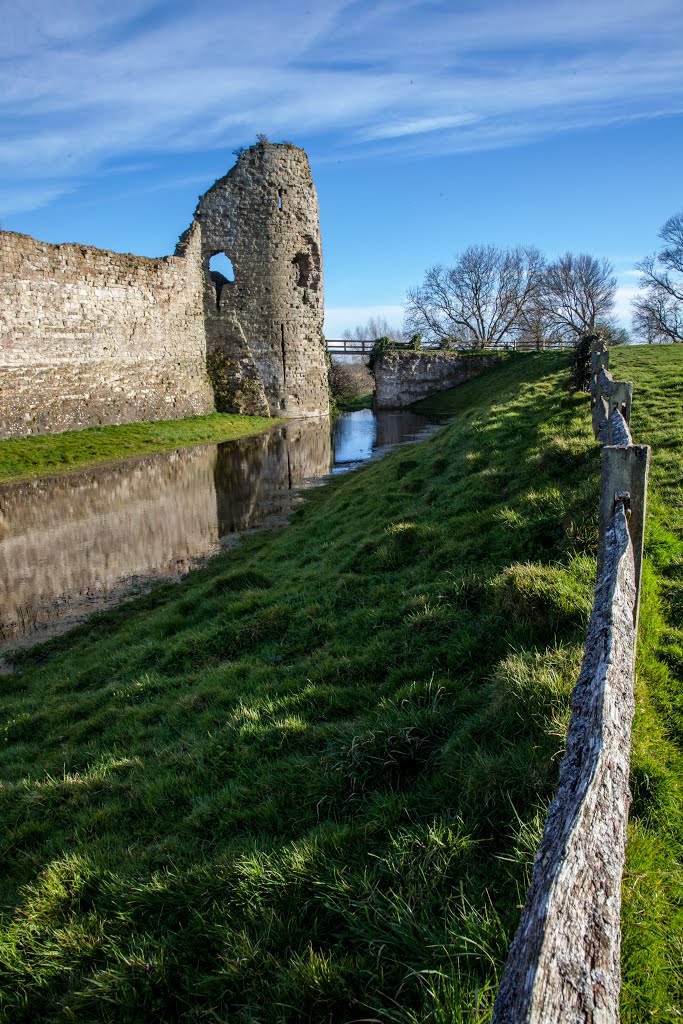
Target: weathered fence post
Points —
{"points": [[564, 962], [621, 397], [600, 385], [625, 472], [599, 361]]}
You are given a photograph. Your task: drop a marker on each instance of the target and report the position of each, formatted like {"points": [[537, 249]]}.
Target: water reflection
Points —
{"points": [[72, 544], [359, 436], [255, 477]]}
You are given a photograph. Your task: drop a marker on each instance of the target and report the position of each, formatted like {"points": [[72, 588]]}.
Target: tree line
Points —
{"points": [[496, 298], [514, 298]]}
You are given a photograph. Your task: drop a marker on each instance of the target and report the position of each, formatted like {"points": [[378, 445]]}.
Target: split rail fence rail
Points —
{"points": [[564, 962]]}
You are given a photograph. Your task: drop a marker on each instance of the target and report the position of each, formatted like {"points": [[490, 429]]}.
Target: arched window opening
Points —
{"points": [[221, 273], [221, 264]]}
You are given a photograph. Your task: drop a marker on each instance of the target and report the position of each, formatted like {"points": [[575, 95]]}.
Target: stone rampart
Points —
{"points": [[264, 329], [92, 337], [402, 378]]}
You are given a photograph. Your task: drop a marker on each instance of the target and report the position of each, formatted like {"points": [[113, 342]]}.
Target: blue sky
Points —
{"points": [[429, 125]]}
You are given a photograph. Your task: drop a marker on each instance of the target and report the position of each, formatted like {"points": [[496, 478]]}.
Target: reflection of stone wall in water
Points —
{"points": [[393, 427], [67, 538], [254, 475], [309, 450]]}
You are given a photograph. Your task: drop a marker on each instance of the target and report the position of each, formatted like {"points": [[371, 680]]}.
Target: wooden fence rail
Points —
{"points": [[564, 962], [349, 347]]}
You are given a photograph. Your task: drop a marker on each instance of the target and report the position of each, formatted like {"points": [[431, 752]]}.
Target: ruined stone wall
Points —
{"points": [[264, 329], [92, 337], [402, 378]]}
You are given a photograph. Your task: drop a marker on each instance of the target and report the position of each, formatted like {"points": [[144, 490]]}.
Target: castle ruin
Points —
{"points": [[90, 337]]}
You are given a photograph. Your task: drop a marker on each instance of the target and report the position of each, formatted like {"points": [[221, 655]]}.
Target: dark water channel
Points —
{"points": [[70, 545]]}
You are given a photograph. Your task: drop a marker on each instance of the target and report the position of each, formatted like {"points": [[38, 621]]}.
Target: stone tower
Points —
{"points": [[265, 346]]}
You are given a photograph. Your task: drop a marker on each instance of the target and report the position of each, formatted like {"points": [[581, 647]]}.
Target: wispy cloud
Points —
{"points": [[627, 290], [87, 84]]}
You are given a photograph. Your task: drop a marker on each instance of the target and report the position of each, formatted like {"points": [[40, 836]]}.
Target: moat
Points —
{"points": [[74, 544]]}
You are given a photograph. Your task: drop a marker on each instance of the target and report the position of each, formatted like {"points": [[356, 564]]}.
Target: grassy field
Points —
{"points": [[307, 784], [45, 454]]}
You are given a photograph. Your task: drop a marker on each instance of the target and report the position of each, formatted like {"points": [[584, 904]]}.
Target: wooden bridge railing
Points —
{"points": [[349, 347], [564, 962]]}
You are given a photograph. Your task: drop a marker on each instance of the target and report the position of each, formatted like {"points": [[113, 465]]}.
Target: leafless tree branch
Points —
{"points": [[478, 302], [658, 311]]}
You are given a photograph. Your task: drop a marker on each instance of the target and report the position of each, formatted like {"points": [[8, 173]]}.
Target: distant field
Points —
{"points": [[45, 454], [307, 783]]}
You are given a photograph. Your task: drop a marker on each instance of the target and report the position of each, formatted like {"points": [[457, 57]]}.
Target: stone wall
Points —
{"points": [[264, 335], [402, 378], [92, 337]]}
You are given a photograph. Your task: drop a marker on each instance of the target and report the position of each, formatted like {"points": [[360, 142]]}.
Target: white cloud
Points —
{"points": [[625, 294], [418, 126], [18, 200], [83, 85]]}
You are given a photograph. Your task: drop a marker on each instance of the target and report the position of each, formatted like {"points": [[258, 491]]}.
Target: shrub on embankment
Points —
{"points": [[350, 382], [307, 784]]}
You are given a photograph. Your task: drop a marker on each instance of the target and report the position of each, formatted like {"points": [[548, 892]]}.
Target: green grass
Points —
{"points": [[45, 454], [307, 784], [653, 881], [359, 402]]}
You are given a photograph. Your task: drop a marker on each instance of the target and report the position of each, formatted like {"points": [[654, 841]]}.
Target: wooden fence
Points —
{"points": [[349, 347], [564, 962], [356, 347]]}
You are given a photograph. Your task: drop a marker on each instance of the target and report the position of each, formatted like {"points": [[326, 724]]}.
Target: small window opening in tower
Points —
{"points": [[279, 199], [221, 273]]}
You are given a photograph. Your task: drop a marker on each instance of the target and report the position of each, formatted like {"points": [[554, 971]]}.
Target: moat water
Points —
{"points": [[74, 544]]}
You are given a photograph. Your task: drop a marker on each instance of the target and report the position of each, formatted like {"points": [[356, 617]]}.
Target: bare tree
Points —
{"points": [[658, 312], [477, 302], [536, 331], [578, 293], [374, 328]]}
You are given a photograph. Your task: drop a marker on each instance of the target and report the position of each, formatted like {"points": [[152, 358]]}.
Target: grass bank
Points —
{"points": [[652, 961], [307, 784], [46, 454], [359, 402]]}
